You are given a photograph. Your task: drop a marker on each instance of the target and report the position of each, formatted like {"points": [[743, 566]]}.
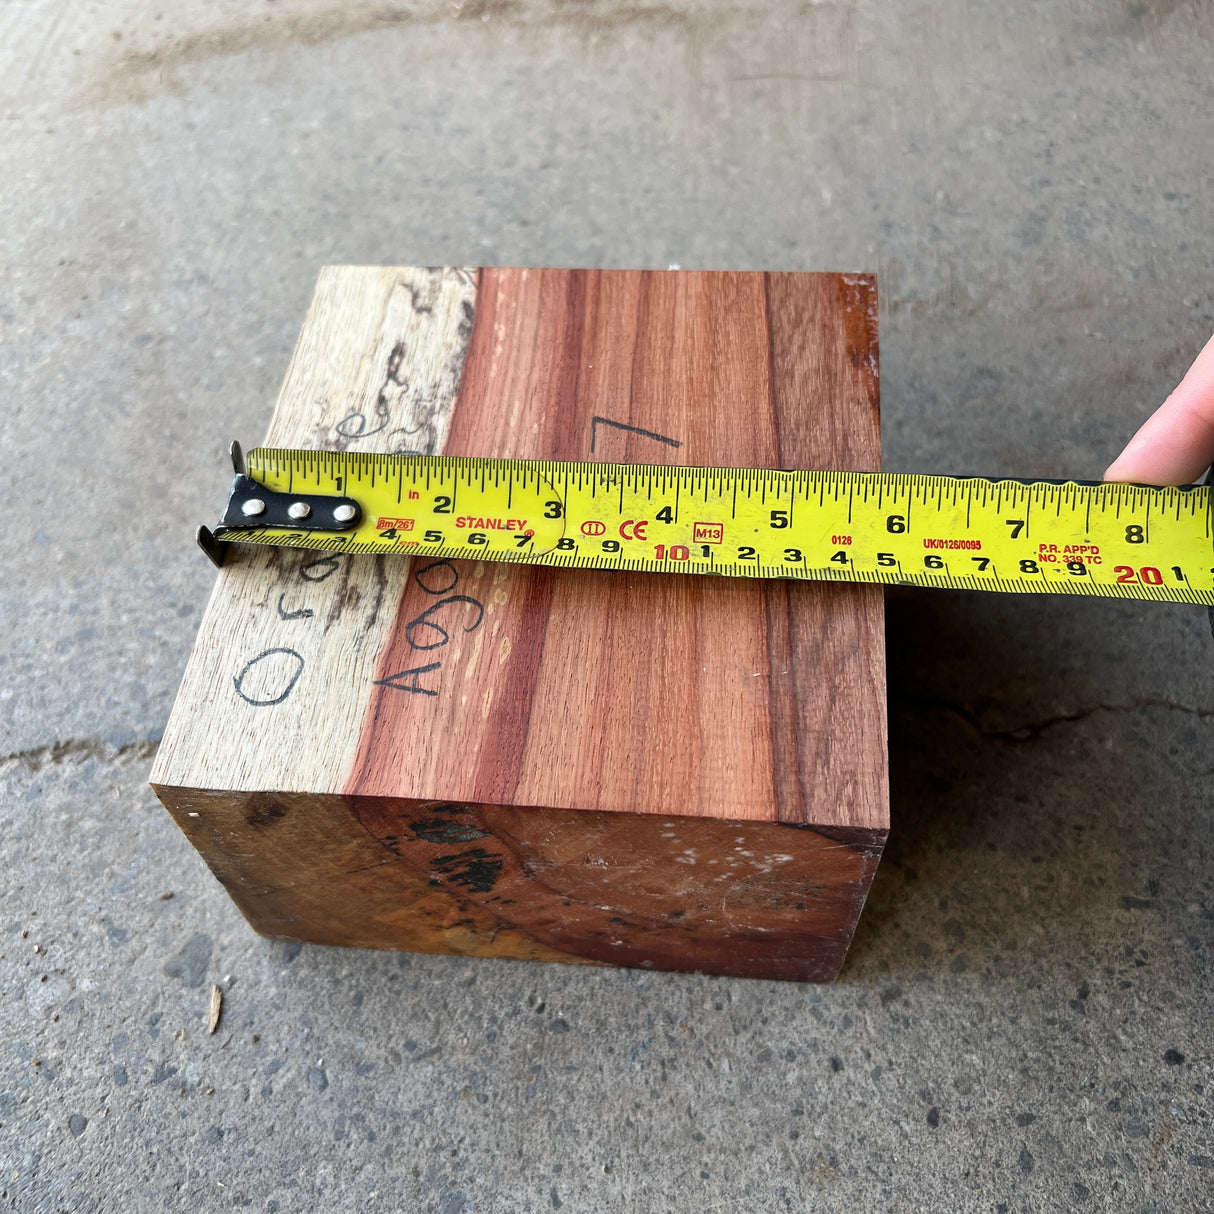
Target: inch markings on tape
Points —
{"points": [[944, 532]]}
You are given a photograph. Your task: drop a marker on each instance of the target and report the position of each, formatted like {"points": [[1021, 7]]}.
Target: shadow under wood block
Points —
{"points": [[675, 772]]}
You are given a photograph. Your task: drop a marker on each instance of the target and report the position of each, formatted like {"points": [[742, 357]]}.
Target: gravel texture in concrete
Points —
{"points": [[1024, 1022]]}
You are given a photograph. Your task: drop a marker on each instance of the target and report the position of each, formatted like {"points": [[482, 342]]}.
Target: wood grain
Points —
{"points": [[575, 722], [377, 367]]}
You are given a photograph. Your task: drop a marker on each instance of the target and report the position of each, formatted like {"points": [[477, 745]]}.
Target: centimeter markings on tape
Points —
{"points": [[945, 532]]}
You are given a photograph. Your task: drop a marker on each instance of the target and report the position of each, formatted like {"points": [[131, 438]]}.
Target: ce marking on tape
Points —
{"points": [[631, 529]]}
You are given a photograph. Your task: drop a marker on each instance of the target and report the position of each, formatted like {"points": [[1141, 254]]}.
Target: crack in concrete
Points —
{"points": [[1032, 730], [76, 750]]}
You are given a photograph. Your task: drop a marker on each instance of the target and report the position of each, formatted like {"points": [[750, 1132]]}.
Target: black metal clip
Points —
{"points": [[251, 505]]}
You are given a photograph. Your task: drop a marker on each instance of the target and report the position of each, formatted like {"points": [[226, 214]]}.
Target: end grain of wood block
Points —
{"points": [[663, 771]]}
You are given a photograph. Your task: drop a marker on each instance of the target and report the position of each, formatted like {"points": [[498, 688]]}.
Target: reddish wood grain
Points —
{"points": [[649, 694]]}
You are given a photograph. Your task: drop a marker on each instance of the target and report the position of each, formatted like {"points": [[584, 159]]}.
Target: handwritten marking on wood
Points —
{"points": [[386, 346]]}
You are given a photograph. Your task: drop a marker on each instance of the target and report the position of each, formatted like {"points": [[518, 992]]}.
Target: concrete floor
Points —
{"points": [[1024, 1022]]}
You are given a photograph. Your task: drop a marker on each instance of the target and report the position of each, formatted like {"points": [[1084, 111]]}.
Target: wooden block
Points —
{"points": [[676, 772]]}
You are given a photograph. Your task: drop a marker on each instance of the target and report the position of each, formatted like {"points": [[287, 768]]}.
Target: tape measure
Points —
{"points": [[969, 533]]}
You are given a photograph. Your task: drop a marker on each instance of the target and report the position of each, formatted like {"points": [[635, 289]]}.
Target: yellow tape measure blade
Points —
{"points": [[943, 532]]}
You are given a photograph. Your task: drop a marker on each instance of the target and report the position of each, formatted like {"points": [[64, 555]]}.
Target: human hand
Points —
{"points": [[1176, 443]]}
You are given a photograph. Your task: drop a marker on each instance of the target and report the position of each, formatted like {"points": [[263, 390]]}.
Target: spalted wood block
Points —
{"points": [[677, 772]]}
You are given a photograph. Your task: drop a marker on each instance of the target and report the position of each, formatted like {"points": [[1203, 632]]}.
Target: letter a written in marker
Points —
{"points": [[396, 681]]}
